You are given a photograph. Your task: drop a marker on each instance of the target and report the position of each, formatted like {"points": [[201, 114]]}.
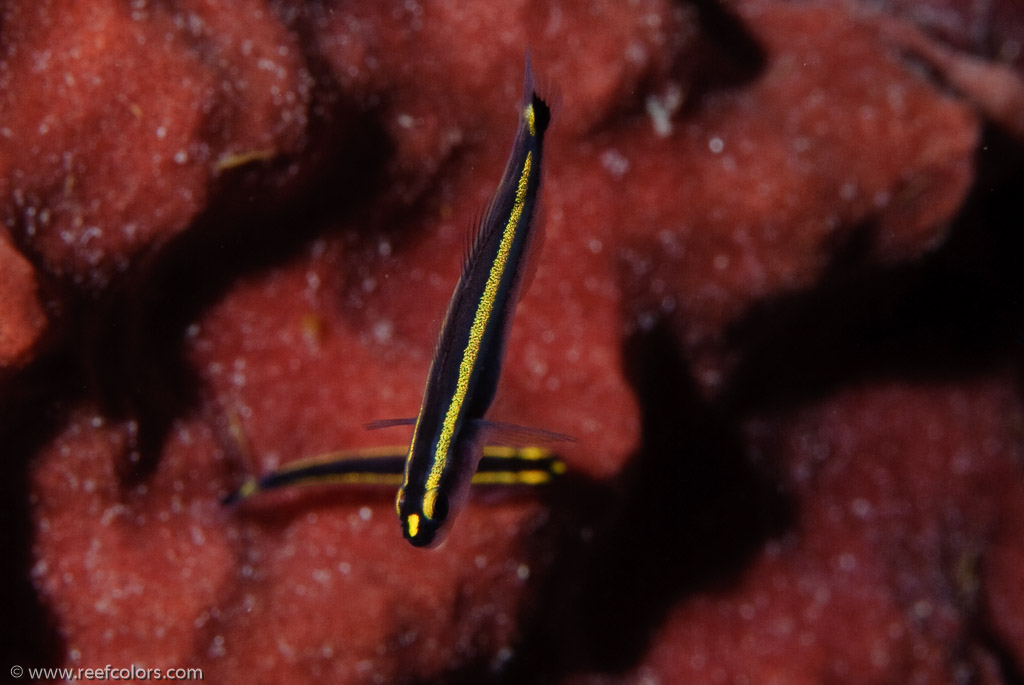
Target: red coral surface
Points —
{"points": [[777, 306], [22, 319]]}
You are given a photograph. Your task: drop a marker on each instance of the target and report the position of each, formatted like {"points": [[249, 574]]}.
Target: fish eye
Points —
{"points": [[400, 502], [441, 507], [435, 505]]}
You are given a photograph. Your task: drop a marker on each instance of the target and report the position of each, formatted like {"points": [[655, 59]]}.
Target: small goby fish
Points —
{"points": [[500, 465], [449, 431]]}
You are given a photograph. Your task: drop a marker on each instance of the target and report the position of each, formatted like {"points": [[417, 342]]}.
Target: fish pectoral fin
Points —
{"points": [[496, 433], [389, 423]]}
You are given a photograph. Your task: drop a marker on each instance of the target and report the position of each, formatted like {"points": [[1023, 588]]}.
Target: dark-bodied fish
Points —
{"points": [[450, 431], [500, 465]]}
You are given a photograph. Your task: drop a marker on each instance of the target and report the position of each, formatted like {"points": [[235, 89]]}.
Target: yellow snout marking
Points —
{"points": [[413, 523]]}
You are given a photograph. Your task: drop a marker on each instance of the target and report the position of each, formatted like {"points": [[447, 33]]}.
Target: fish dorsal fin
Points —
{"points": [[476, 236]]}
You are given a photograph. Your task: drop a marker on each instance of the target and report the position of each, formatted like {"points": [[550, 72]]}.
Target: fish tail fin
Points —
{"points": [[542, 94]]}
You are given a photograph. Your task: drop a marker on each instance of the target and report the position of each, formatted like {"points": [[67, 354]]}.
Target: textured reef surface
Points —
{"points": [[779, 306]]}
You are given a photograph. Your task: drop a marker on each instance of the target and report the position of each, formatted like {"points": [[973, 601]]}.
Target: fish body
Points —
{"points": [[449, 431], [384, 466]]}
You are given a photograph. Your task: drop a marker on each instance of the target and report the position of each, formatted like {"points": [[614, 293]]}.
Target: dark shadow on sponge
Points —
{"points": [[688, 514]]}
